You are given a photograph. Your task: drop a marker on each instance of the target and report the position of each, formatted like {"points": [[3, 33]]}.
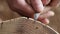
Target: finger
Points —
{"points": [[46, 2], [45, 21], [26, 10], [43, 1], [54, 3], [47, 15], [46, 9], [43, 18], [37, 5]]}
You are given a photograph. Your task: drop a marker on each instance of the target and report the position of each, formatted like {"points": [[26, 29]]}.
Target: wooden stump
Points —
{"points": [[23, 25]]}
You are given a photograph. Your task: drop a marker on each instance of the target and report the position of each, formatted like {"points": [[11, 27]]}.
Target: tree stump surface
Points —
{"points": [[23, 25]]}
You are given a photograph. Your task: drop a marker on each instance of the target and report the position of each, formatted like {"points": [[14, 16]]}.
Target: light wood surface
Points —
{"points": [[22, 25]]}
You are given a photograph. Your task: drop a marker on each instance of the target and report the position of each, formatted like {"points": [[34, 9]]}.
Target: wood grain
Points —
{"points": [[24, 26]]}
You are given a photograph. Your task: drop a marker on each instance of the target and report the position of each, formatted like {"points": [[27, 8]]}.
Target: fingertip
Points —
{"points": [[45, 21], [51, 13]]}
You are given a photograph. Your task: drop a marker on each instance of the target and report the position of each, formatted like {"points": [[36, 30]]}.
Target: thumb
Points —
{"points": [[37, 5]]}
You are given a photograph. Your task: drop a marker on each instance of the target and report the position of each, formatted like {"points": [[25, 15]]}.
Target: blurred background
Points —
{"points": [[6, 14]]}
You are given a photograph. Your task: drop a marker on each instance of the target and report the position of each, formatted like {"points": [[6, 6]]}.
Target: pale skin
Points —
{"points": [[35, 6]]}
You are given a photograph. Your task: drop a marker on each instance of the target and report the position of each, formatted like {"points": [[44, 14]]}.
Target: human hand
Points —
{"points": [[35, 6]]}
